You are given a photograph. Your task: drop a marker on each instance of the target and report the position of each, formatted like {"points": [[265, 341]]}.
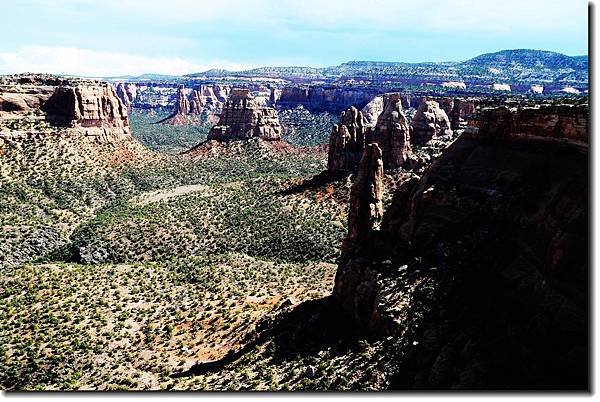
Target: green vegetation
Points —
{"points": [[303, 128], [184, 258], [162, 138], [106, 327]]}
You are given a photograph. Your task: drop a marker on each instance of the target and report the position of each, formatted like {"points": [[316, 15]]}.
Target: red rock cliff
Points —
{"points": [[243, 118]]}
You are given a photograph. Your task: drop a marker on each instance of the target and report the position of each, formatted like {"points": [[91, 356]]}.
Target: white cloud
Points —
{"points": [[91, 63]]}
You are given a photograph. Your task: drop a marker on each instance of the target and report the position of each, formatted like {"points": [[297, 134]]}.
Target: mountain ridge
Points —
{"points": [[526, 58]]}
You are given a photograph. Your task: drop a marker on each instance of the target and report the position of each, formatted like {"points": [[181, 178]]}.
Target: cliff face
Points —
{"points": [[552, 123], [372, 110], [319, 99], [243, 118], [480, 269], [201, 105], [93, 109], [73, 107], [127, 93], [181, 114]]}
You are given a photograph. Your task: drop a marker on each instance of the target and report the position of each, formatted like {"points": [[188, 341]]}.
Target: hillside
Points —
{"points": [[519, 65]]}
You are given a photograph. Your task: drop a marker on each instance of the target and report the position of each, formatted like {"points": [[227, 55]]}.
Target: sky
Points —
{"points": [[104, 38]]}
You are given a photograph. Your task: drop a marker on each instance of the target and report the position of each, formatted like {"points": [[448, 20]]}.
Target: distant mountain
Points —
{"points": [[526, 65], [143, 77], [527, 58], [517, 66]]}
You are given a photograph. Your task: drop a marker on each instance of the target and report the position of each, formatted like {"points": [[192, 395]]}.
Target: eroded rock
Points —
{"points": [[392, 133], [430, 122], [347, 141], [243, 118]]}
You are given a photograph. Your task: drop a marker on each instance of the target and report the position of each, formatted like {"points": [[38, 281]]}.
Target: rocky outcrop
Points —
{"points": [[275, 95], [430, 122], [182, 105], [366, 195], [94, 109], [479, 273], [181, 114], [196, 106], [462, 110], [319, 99], [74, 108], [556, 122], [18, 101], [372, 110], [127, 93], [243, 118], [347, 141], [392, 133], [86, 106]]}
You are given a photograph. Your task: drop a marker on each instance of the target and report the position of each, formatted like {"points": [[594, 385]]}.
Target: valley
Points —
{"points": [[205, 232]]}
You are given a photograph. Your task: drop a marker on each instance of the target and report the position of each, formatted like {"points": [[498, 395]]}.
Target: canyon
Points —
{"points": [[345, 228], [495, 232]]}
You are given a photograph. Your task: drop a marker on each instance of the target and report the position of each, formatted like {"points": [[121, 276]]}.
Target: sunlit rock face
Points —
{"points": [[347, 141], [243, 118], [392, 133], [430, 122], [93, 109]]}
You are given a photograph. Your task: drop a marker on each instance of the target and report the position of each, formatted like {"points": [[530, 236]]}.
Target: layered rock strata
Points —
{"points": [[127, 93], [93, 109], [318, 99], [557, 122], [243, 118], [201, 105]]}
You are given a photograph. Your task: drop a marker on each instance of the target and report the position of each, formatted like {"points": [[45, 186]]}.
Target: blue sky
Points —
{"points": [[107, 37]]}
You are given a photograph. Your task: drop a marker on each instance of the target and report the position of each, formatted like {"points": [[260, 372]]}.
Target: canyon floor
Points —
{"points": [[126, 276]]}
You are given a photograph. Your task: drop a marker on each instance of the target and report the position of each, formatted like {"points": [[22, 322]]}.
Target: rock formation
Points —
{"points": [[242, 118], [181, 112], [127, 93], [37, 109], [479, 273], [201, 105], [93, 108], [557, 122], [372, 110], [182, 105], [366, 195], [430, 122], [275, 95], [392, 133], [347, 141], [318, 99]]}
